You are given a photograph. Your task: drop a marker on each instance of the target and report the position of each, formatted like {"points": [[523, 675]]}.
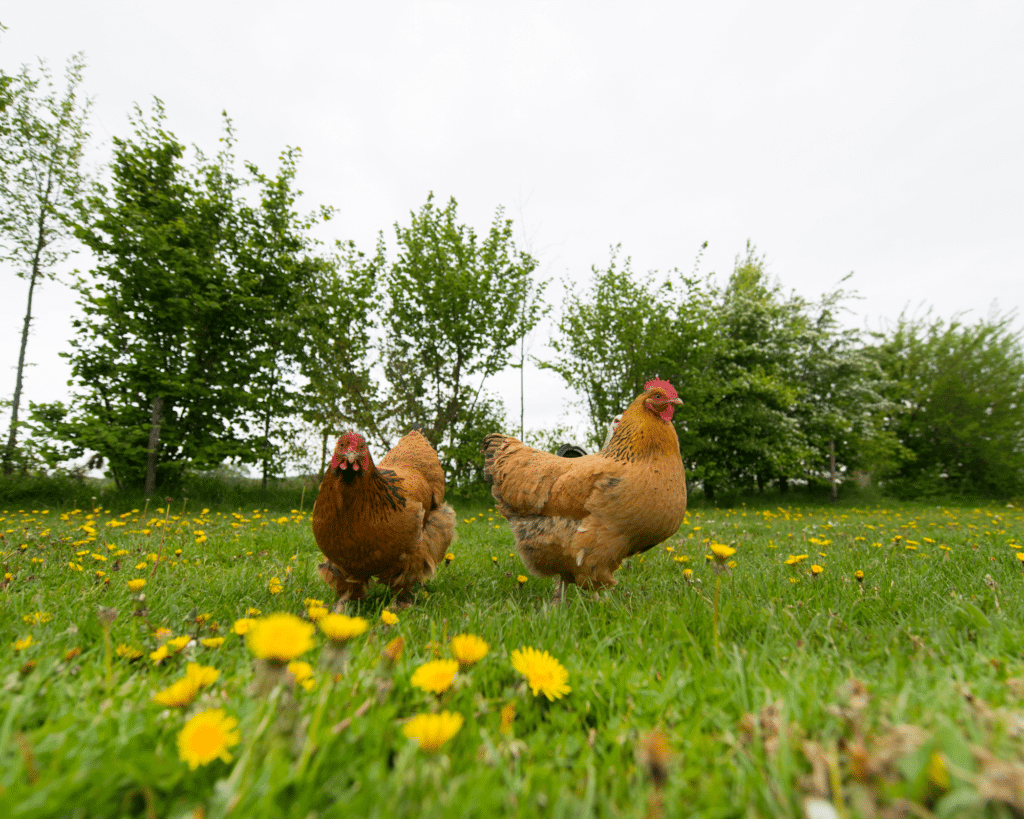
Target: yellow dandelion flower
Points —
{"points": [[1020, 556], [339, 627], [280, 637], [468, 649], [178, 694], [159, 655], [435, 676], [136, 584], [128, 652], [793, 560], [388, 619], [859, 575], [162, 633], [544, 674], [201, 675], [816, 569], [721, 551], [251, 612], [521, 579], [21, 645], [431, 731], [212, 642], [448, 558], [688, 575], [303, 673], [316, 612], [243, 626], [206, 737], [178, 643]]}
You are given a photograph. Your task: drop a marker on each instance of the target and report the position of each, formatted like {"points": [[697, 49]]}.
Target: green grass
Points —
{"points": [[907, 686]]}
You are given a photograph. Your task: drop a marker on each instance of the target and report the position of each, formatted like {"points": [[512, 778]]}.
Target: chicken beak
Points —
{"points": [[677, 401], [350, 456]]}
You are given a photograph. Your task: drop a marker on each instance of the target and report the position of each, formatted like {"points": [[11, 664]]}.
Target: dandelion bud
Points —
{"points": [[654, 755], [392, 651]]}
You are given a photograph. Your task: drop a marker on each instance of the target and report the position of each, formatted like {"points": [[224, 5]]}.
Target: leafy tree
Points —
{"points": [[773, 387], [612, 339], [43, 134], [270, 249], [745, 434], [455, 308], [336, 329], [960, 395], [842, 408], [181, 357]]}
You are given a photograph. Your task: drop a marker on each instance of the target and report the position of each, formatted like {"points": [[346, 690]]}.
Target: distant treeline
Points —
{"points": [[215, 330]]}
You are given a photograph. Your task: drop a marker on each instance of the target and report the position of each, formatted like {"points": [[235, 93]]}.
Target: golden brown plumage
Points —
{"points": [[388, 523], [579, 518]]}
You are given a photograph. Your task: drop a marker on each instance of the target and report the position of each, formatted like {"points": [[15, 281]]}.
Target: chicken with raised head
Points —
{"points": [[388, 522], [579, 518]]}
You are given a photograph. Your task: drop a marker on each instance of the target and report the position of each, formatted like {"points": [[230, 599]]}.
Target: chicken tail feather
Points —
{"points": [[439, 532]]}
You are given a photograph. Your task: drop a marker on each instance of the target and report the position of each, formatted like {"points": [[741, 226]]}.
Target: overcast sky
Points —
{"points": [[881, 138]]}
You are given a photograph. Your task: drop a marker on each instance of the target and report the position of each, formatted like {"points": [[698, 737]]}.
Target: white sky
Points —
{"points": [[884, 138]]}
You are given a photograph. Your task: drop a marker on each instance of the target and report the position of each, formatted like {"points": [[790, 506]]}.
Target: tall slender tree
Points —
{"points": [[43, 134]]}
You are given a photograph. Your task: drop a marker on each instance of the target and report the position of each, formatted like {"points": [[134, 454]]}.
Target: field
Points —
{"points": [[859, 662]]}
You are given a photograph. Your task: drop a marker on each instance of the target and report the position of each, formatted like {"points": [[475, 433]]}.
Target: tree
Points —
{"points": [[842, 408], [181, 359], [744, 433], [960, 395], [612, 339], [270, 249], [455, 308], [42, 141], [336, 330], [773, 387]]}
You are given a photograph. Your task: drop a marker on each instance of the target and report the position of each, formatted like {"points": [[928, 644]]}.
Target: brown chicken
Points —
{"points": [[579, 518], [388, 523]]}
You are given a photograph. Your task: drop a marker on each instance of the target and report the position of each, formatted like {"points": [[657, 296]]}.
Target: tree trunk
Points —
{"points": [[832, 469], [783, 485], [266, 448], [12, 437], [323, 455], [522, 386], [709, 491], [154, 444]]}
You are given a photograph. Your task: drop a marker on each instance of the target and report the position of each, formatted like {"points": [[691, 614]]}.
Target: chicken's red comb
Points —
{"points": [[354, 439], [658, 382]]}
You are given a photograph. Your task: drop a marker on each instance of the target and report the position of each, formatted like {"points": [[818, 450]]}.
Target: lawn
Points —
{"points": [[869, 662]]}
